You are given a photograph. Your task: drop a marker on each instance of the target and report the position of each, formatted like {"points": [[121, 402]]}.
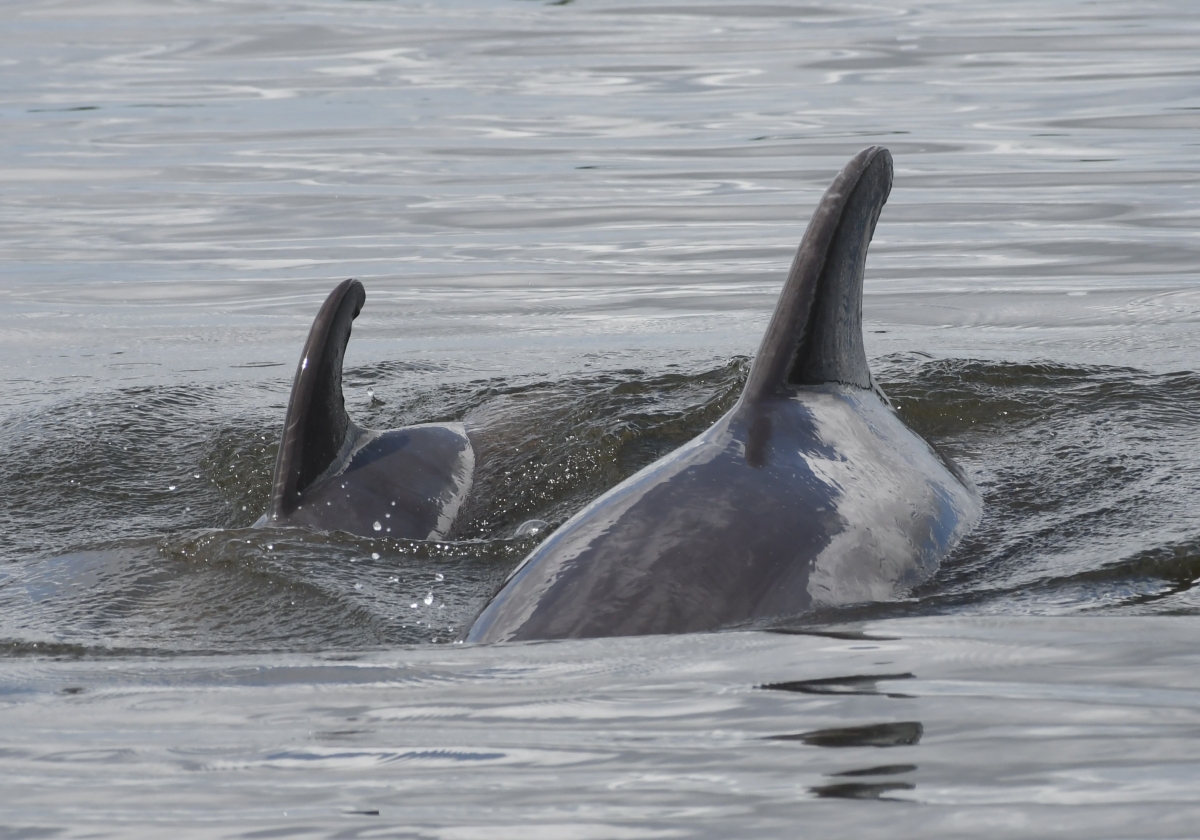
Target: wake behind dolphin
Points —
{"points": [[810, 491]]}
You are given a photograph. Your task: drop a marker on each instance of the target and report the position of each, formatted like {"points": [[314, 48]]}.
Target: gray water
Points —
{"points": [[572, 221]]}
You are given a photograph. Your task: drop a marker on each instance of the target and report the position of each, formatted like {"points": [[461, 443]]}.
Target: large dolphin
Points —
{"points": [[331, 475], [810, 491]]}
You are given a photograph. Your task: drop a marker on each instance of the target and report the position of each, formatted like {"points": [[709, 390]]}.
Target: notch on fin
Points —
{"points": [[317, 427], [815, 334]]}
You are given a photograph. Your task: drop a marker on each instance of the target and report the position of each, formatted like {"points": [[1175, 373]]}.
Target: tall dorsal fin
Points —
{"points": [[317, 426], [815, 334]]}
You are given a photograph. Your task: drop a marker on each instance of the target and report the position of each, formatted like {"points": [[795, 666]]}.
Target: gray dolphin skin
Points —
{"points": [[331, 475], [809, 492]]}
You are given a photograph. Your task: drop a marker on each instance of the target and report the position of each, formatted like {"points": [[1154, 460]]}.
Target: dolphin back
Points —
{"points": [[809, 492], [331, 475]]}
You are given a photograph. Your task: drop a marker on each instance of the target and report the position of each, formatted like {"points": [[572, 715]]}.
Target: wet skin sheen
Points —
{"points": [[332, 475], [824, 497], [809, 492]]}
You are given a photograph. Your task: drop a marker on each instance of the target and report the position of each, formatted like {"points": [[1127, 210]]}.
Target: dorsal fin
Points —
{"points": [[317, 427], [815, 334]]}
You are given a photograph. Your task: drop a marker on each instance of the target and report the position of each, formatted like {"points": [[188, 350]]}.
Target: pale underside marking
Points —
{"points": [[882, 477], [464, 476]]}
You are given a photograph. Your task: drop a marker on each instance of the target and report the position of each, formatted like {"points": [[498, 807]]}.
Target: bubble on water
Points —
{"points": [[358, 586], [270, 546], [171, 487], [376, 525], [439, 576], [195, 475], [532, 528], [393, 579], [429, 598], [412, 606], [374, 555]]}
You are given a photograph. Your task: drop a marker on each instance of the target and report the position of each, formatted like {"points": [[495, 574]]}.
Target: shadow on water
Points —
{"points": [[859, 684], [866, 790], [903, 734], [849, 635], [860, 790], [882, 770], [126, 518]]}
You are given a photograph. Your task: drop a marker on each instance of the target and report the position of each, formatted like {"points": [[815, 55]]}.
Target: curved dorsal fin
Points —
{"points": [[815, 334], [317, 427]]}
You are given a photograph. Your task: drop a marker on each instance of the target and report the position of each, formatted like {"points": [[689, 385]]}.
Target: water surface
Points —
{"points": [[572, 221]]}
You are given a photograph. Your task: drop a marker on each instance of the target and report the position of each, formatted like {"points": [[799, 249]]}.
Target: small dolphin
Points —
{"points": [[810, 491], [331, 475]]}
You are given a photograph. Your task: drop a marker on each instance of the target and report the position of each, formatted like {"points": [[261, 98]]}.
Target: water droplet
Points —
{"points": [[393, 579], [172, 487], [195, 475], [387, 516], [358, 586], [270, 546], [374, 555], [439, 576], [429, 598], [412, 606], [376, 525]]}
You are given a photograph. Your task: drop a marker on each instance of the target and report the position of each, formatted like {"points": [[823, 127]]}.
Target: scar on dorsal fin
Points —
{"points": [[317, 427], [815, 334]]}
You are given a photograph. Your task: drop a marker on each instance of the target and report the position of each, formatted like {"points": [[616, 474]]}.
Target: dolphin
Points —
{"points": [[811, 491], [331, 475]]}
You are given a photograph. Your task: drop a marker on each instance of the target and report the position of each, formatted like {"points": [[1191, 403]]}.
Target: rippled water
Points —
{"points": [[572, 221]]}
